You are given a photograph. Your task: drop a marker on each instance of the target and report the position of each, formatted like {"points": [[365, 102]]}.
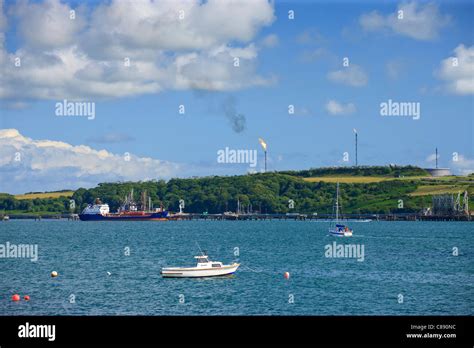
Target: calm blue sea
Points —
{"points": [[408, 269]]}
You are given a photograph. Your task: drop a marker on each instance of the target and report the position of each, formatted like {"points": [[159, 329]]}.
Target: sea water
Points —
{"points": [[113, 268]]}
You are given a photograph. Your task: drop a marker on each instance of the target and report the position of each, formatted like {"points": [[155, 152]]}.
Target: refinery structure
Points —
{"points": [[450, 204]]}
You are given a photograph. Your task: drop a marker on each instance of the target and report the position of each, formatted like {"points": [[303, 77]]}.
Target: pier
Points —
{"points": [[297, 216]]}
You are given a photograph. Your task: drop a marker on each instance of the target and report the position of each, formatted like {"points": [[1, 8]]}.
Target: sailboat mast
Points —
{"points": [[337, 202]]}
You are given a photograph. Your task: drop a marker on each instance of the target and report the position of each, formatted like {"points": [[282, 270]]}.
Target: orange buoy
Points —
{"points": [[16, 297], [54, 274], [287, 275], [26, 298]]}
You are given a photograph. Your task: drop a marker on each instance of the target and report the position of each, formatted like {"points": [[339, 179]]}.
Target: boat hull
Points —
{"points": [[160, 216], [337, 233], [196, 272]]}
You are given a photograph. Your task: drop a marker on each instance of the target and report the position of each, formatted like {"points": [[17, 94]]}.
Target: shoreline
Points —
{"points": [[264, 217]]}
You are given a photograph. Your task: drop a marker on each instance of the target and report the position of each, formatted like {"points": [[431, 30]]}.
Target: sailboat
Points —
{"points": [[336, 228]]}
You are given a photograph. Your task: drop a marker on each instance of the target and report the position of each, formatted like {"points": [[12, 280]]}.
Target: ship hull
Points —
{"points": [[162, 216], [195, 272]]}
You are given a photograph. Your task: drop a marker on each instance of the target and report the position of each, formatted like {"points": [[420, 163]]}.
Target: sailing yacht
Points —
{"points": [[338, 229]]}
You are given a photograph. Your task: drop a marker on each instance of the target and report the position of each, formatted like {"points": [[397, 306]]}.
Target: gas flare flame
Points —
{"points": [[263, 143]]}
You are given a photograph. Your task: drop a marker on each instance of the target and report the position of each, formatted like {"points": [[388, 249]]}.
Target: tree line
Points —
{"points": [[262, 193]]}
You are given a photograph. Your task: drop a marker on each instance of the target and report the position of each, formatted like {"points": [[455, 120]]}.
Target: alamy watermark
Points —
{"points": [[37, 331], [406, 109], [68, 108], [355, 251], [26, 251], [237, 156]]}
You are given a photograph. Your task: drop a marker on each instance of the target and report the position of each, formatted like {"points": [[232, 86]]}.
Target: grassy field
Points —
{"points": [[451, 178], [427, 190], [359, 179], [45, 195]]}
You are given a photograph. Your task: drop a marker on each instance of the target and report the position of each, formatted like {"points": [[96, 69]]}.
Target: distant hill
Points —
{"points": [[363, 190], [377, 171]]}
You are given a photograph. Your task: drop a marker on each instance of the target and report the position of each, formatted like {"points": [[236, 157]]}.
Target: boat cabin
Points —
{"points": [[203, 261], [342, 228]]}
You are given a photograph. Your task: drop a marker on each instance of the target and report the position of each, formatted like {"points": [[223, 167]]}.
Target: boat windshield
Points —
{"points": [[202, 260]]}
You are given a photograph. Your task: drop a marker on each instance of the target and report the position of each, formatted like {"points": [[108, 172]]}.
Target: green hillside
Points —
{"points": [[376, 190]]}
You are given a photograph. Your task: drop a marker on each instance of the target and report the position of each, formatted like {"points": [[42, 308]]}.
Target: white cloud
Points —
{"points": [[48, 24], [458, 71], [336, 108], [53, 165], [418, 21], [145, 24], [352, 75], [215, 70], [463, 165], [86, 57]]}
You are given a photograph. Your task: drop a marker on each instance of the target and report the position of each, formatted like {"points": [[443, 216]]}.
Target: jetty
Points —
{"points": [[327, 217]]}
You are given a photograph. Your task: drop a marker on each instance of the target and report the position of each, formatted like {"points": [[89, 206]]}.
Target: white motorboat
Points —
{"points": [[204, 268], [337, 229]]}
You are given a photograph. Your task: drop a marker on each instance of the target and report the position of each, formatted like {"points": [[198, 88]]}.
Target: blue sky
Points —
{"points": [[294, 60]]}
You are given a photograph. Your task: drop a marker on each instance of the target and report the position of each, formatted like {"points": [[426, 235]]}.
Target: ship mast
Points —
{"points": [[337, 202]]}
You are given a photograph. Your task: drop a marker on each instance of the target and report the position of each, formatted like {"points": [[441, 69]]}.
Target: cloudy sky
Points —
{"points": [[173, 82]]}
